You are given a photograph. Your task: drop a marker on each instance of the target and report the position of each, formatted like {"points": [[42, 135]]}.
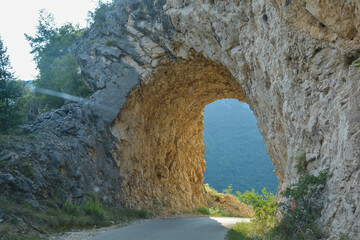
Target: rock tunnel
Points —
{"points": [[154, 65], [160, 133], [287, 58]]}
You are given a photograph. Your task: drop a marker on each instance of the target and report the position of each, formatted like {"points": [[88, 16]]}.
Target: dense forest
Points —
{"points": [[234, 149]]}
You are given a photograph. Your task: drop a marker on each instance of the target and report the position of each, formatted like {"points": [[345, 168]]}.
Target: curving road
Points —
{"points": [[189, 228]]}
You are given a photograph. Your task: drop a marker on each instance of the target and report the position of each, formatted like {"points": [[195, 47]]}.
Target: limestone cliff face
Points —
{"points": [[160, 133], [156, 64], [287, 58]]}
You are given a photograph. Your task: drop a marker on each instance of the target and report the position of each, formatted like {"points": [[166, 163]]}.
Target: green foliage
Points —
{"points": [[299, 212], [99, 15], [352, 58], [11, 95], [300, 158], [56, 219], [57, 67], [60, 74], [344, 237], [28, 171], [94, 209], [143, 213], [357, 63], [5, 66], [218, 212], [71, 209], [245, 231], [264, 205], [109, 43], [302, 208], [136, 214], [212, 192], [234, 149], [14, 221], [201, 211], [12, 236], [51, 41], [228, 190]]}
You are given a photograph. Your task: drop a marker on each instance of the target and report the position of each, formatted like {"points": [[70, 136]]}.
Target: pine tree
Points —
{"points": [[10, 93], [57, 66]]}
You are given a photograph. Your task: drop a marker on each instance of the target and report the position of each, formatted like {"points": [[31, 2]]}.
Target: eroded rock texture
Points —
{"points": [[162, 61], [160, 133]]}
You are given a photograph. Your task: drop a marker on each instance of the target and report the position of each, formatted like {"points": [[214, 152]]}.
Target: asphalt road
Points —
{"points": [[189, 228]]}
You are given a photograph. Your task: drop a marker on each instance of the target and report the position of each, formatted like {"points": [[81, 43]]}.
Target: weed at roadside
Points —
{"points": [[201, 211]]}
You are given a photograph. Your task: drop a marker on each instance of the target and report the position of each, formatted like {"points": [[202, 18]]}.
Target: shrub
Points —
{"points": [[99, 15], [228, 190], [109, 43], [28, 172], [218, 212], [264, 205], [135, 214], [212, 192], [245, 231], [144, 214], [71, 208], [351, 58], [300, 157], [94, 209], [201, 210], [301, 208], [14, 221]]}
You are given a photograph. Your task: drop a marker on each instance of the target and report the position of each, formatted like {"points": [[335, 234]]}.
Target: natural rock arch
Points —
{"points": [[160, 133], [287, 56]]}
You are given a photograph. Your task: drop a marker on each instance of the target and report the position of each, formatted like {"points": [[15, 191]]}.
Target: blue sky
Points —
{"points": [[21, 16]]}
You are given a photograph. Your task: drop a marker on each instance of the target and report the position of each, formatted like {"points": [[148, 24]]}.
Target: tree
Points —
{"points": [[57, 66], [11, 92], [98, 16]]}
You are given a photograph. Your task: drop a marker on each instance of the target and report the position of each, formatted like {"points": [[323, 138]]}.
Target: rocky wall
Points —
{"points": [[284, 57], [160, 134]]}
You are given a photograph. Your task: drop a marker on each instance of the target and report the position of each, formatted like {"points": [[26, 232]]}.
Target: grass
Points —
{"points": [[25, 237], [218, 212], [201, 211], [212, 192], [218, 208], [244, 231], [213, 211], [24, 222]]}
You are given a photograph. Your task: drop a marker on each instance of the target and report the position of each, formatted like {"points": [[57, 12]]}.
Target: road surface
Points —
{"points": [[189, 228]]}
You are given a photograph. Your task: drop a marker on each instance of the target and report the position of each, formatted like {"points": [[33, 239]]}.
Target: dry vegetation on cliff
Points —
{"points": [[227, 205]]}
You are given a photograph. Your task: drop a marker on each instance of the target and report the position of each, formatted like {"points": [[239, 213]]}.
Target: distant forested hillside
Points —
{"points": [[234, 149]]}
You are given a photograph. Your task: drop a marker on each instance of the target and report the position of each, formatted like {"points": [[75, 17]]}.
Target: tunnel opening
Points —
{"points": [[159, 131], [235, 152]]}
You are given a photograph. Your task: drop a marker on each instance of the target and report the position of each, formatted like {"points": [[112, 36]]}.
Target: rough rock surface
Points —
{"points": [[160, 133], [284, 58], [66, 156]]}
